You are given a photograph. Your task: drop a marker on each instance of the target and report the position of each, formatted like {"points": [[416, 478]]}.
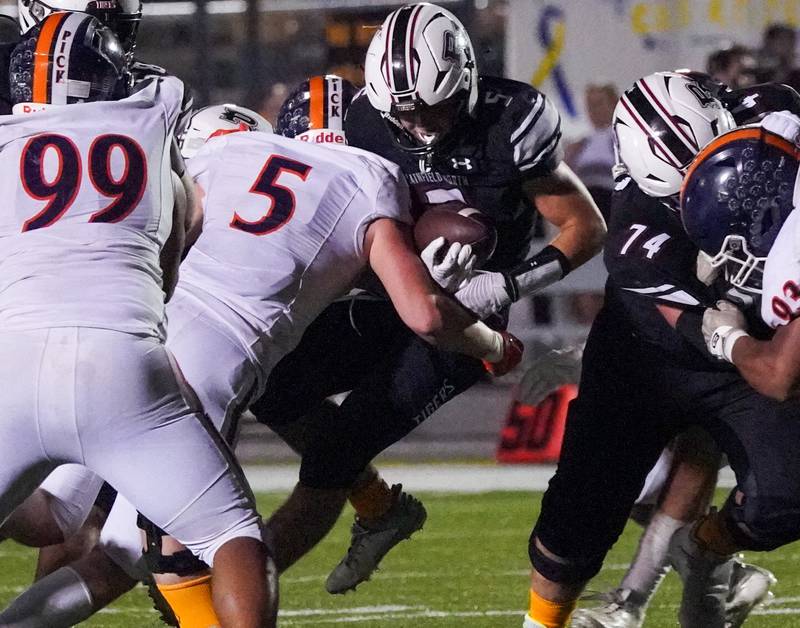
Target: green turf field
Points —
{"points": [[466, 569]]}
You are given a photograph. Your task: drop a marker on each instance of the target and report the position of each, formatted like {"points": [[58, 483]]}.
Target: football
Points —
{"points": [[457, 223]]}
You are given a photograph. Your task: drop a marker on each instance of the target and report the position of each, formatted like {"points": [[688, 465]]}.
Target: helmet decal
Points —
{"points": [[318, 104]]}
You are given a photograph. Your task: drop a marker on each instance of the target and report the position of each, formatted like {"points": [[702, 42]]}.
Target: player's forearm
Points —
{"points": [[767, 367], [444, 323], [581, 238]]}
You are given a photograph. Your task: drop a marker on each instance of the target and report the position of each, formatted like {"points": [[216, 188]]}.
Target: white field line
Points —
{"points": [[403, 575], [436, 478], [388, 613]]}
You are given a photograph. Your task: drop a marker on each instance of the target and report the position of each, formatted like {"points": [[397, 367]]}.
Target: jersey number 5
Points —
{"points": [[282, 200], [61, 190]]}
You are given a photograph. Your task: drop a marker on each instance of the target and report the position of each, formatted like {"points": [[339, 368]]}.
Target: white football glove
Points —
{"points": [[484, 294], [553, 370], [722, 327], [783, 123], [705, 271], [453, 268]]}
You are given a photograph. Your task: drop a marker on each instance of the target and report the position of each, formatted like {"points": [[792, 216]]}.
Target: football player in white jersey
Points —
{"points": [[91, 247], [258, 274]]}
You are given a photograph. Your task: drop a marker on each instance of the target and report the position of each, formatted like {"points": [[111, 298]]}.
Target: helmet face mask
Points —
{"points": [[421, 128], [741, 268], [736, 198], [421, 59]]}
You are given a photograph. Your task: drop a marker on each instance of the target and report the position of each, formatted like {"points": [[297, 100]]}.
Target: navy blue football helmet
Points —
{"points": [[315, 110], [736, 196], [68, 58]]}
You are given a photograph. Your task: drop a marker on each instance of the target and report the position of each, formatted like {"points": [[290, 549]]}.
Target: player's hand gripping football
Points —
{"points": [[722, 327], [511, 355], [451, 268], [553, 370]]}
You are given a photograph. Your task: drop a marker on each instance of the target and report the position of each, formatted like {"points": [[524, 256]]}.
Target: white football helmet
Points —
{"points": [[660, 124], [122, 16], [419, 58], [219, 120]]}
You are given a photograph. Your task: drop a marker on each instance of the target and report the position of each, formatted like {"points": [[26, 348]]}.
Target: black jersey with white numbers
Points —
{"points": [[514, 135], [651, 261]]}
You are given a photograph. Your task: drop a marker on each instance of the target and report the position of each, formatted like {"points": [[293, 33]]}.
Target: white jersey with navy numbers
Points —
{"points": [[780, 299], [283, 231], [85, 206]]}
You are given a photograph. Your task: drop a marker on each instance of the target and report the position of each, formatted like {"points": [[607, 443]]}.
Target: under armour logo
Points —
{"points": [[459, 164]]}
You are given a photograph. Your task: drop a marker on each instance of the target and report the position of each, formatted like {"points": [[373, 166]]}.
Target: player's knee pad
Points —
{"points": [[562, 569], [182, 563], [763, 524]]}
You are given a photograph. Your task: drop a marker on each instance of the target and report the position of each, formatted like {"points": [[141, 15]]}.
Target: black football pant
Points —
{"points": [[632, 401], [396, 379]]}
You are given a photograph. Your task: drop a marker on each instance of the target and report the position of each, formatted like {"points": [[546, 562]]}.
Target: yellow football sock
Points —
{"points": [[550, 614], [372, 500], [191, 602]]}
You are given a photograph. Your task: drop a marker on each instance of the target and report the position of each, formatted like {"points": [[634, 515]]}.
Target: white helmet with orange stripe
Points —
{"points": [[420, 72], [67, 58], [660, 124], [219, 120]]}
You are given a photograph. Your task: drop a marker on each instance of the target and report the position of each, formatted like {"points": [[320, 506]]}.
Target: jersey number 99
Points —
{"points": [[60, 191]]}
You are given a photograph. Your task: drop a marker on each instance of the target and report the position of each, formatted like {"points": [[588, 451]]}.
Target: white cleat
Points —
{"points": [[621, 610], [749, 587]]}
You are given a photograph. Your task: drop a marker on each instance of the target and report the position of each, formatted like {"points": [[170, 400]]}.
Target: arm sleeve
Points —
{"points": [[536, 136]]}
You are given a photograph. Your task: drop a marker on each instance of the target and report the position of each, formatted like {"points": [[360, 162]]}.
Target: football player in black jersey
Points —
{"points": [[683, 479], [489, 142], [647, 374]]}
